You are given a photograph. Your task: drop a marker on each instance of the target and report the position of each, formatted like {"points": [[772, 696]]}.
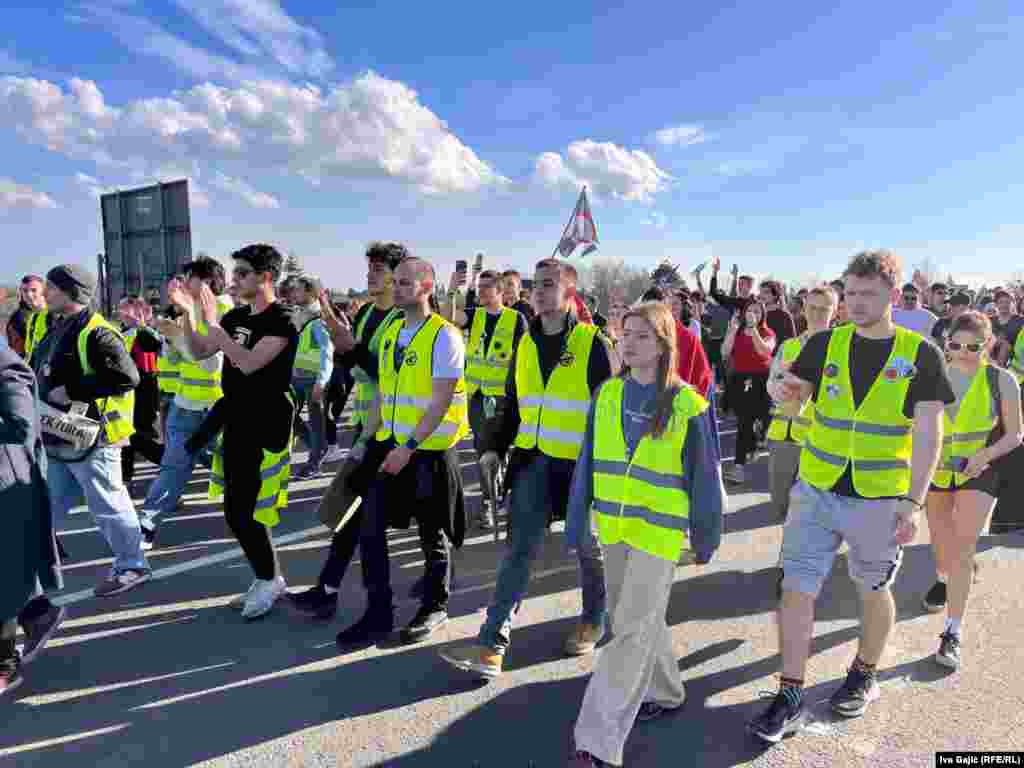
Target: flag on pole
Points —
{"points": [[580, 230]]}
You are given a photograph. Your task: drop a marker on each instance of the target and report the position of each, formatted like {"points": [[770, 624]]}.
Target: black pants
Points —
{"points": [[748, 398], [338, 390], [148, 446], [373, 544], [343, 544], [243, 454]]}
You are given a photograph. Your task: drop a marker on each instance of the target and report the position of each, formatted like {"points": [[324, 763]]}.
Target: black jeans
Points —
{"points": [[748, 398], [243, 454], [151, 449], [373, 544]]}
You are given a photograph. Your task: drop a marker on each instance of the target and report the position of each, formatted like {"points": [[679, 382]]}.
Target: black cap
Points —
{"points": [[76, 282], [960, 300]]}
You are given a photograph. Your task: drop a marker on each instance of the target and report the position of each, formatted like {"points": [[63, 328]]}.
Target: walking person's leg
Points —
{"points": [[624, 677], [176, 465], [940, 511], [971, 510]]}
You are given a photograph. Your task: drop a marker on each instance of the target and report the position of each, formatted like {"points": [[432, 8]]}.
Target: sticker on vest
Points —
{"points": [[409, 358], [831, 371], [900, 368], [567, 359], [832, 390]]}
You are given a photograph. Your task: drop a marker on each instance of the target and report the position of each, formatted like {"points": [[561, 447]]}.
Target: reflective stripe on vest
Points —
{"points": [[874, 438], [117, 411], [35, 331], [366, 386], [487, 369], [1016, 363], [553, 417], [784, 425], [275, 474], [307, 356], [195, 383], [640, 500], [968, 434], [406, 392]]}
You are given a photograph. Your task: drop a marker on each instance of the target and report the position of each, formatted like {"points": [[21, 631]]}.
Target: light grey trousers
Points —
{"points": [[639, 664]]}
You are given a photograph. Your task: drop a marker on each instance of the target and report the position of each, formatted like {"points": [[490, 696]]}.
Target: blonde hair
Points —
{"points": [[667, 382]]}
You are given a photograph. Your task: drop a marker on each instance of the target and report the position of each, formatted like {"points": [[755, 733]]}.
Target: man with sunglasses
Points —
{"points": [[259, 342], [958, 304], [912, 315]]}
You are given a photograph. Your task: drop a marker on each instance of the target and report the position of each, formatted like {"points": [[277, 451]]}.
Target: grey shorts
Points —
{"points": [[817, 525]]}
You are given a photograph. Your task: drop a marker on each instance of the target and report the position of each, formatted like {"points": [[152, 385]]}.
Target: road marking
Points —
{"points": [[62, 740]]}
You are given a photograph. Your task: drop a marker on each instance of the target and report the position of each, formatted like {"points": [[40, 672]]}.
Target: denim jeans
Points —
{"points": [[529, 508], [99, 479], [175, 466], [314, 435]]}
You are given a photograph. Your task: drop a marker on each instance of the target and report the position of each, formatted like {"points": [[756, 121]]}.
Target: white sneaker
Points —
{"points": [[263, 597], [334, 453], [239, 602]]}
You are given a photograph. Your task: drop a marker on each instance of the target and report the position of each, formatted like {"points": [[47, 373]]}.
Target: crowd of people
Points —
{"points": [[873, 409]]}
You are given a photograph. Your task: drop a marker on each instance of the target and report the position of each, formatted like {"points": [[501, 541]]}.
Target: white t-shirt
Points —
{"points": [[919, 320], [449, 351]]}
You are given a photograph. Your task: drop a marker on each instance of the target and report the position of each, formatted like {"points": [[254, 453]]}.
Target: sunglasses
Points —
{"points": [[956, 346]]}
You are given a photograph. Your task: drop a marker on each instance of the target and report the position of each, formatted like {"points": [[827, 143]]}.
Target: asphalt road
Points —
{"points": [[168, 675]]}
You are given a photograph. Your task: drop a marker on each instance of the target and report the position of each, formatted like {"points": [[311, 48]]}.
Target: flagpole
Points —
{"points": [[571, 217]]}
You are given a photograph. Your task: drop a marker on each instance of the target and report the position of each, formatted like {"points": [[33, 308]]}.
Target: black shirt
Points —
{"points": [[360, 354], [867, 359], [250, 395], [491, 322]]}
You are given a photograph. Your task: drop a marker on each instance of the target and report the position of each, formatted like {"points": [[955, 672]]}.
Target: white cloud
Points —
{"points": [[259, 28], [253, 197], [605, 168], [263, 37], [14, 195], [681, 135], [367, 128]]}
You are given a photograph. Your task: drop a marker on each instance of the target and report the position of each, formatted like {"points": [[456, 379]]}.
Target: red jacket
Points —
{"points": [[692, 361]]}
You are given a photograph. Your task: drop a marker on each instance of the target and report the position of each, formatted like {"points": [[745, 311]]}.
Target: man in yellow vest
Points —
{"points": [[31, 322], [314, 364], [359, 342], [199, 387], [410, 468], [865, 469], [791, 421], [84, 370], [494, 332], [252, 464], [558, 367]]}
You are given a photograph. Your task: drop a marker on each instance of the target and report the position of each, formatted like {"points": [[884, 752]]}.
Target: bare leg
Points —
{"points": [[971, 512], [796, 622], [940, 528], [879, 617]]}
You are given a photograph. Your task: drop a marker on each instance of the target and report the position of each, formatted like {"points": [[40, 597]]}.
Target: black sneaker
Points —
{"points": [[148, 539], [935, 599], [424, 624], [781, 718], [652, 710], [854, 695], [948, 654], [315, 602], [38, 632], [374, 626]]}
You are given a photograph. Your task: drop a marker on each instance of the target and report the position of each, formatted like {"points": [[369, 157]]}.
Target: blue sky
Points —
{"points": [[780, 136]]}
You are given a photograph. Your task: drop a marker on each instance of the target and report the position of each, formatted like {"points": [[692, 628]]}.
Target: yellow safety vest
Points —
{"points": [[195, 382], [1016, 364], [783, 425], [307, 356], [968, 434], [639, 499], [35, 330], [406, 391], [876, 437], [366, 387], [553, 417], [275, 474], [168, 373], [117, 411], [487, 369]]}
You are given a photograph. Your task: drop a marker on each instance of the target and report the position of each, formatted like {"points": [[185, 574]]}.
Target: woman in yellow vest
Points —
{"points": [[648, 472], [983, 425], [791, 421]]}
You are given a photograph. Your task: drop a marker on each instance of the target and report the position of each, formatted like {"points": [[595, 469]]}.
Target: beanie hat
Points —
{"points": [[75, 281]]}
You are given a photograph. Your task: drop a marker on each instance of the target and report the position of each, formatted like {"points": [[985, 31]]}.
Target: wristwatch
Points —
{"points": [[412, 443]]}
